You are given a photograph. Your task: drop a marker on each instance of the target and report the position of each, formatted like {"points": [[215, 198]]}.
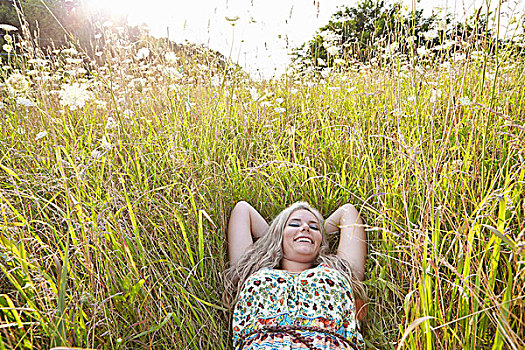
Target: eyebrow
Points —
{"points": [[311, 221]]}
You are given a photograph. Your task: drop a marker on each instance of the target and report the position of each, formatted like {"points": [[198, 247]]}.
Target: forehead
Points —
{"points": [[303, 214]]}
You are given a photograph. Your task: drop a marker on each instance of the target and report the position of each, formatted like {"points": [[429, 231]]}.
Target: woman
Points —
{"points": [[288, 292]]}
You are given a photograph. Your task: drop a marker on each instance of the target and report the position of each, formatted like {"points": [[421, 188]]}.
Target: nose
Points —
{"points": [[305, 227]]}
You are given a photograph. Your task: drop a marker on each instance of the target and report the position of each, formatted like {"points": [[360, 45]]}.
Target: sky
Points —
{"points": [[266, 31]]}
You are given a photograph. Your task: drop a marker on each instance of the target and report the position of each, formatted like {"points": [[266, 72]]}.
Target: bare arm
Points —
{"points": [[352, 244], [245, 225]]}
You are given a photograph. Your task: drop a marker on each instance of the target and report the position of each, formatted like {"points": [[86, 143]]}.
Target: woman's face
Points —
{"points": [[302, 237]]}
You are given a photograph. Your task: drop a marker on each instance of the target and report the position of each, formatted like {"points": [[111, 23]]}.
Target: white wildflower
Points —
{"points": [[21, 130], [70, 51], [293, 91], [8, 38], [279, 100], [110, 123], [339, 61], [265, 104], [411, 98], [280, 110], [171, 57], [436, 94], [351, 89], [41, 135], [459, 56], [138, 84], [465, 101], [25, 102], [74, 95], [332, 50], [422, 51], [96, 154], [254, 93], [97, 36], [431, 34], [411, 40], [174, 87], [392, 48], [17, 82], [7, 27], [7, 48], [173, 73], [321, 62], [232, 18], [142, 53], [99, 53], [215, 80], [74, 60], [104, 143], [38, 62]]}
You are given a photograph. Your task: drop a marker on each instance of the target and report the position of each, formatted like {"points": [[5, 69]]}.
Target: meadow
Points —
{"points": [[118, 174]]}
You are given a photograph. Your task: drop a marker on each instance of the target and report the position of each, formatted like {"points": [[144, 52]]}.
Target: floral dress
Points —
{"points": [[317, 297]]}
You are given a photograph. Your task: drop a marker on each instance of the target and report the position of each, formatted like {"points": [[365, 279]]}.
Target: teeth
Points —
{"points": [[304, 240]]}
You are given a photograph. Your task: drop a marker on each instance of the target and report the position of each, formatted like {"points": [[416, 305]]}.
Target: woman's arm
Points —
{"points": [[245, 224], [352, 244]]}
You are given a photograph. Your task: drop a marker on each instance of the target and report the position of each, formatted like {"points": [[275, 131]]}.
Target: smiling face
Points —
{"points": [[302, 237]]}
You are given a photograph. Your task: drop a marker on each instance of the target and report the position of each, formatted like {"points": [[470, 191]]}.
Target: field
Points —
{"points": [[117, 179]]}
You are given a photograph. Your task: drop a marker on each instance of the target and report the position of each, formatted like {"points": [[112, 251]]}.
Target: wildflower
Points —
{"points": [[105, 143], [8, 38], [171, 57], [465, 101], [25, 102], [339, 61], [411, 40], [138, 84], [431, 34], [329, 36], [458, 56], [41, 135], [38, 62], [279, 100], [7, 27], [96, 154], [7, 48], [70, 51], [97, 36], [215, 81], [110, 123], [332, 50], [321, 62], [173, 73], [422, 51], [74, 95], [280, 110], [351, 89], [411, 98], [254, 93], [142, 53], [436, 94], [99, 53], [232, 18], [74, 60], [21, 130], [18, 83], [266, 104], [174, 87]]}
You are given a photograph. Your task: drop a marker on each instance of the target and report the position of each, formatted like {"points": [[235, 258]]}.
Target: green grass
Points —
{"points": [[125, 248]]}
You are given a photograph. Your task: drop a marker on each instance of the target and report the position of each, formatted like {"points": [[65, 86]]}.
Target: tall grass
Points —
{"points": [[113, 223]]}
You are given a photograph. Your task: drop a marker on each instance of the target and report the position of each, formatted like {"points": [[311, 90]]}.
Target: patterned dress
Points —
{"points": [[317, 297]]}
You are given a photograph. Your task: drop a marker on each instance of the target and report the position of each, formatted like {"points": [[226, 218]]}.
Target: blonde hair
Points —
{"points": [[268, 252]]}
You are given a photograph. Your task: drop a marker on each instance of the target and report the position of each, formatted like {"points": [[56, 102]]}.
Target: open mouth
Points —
{"points": [[304, 239]]}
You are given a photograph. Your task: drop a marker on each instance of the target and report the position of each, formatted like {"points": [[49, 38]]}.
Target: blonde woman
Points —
{"points": [[286, 290]]}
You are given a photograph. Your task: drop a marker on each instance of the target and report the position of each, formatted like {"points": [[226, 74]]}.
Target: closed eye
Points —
{"points": [[314, 227]]}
